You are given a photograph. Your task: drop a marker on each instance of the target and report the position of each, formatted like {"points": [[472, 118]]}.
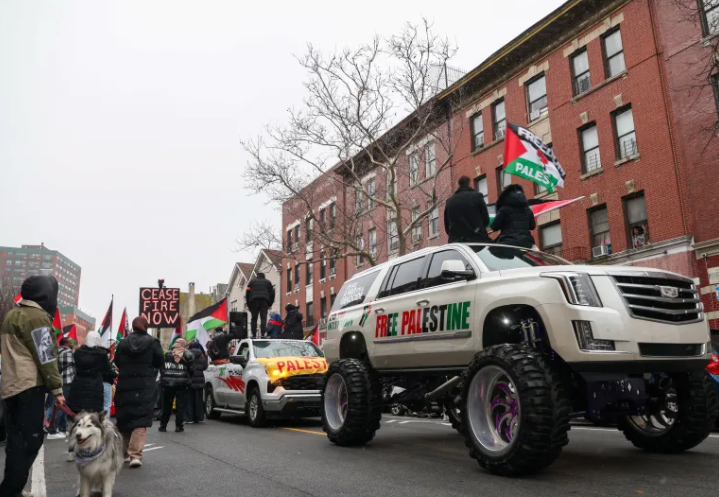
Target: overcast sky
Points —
{"points": [[120, 121]]}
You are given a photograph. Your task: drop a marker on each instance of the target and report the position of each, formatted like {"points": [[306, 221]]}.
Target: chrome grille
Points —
{"points": [[304, 382], [659, 297]]}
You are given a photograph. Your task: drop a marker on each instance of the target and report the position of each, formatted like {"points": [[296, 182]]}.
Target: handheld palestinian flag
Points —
{"points": [[57, 324], [106, 327], [69, 331], [17, 299], [314, 336], [526, 156], [124, 326], [201, 323], [538, 206], [177, 333]]}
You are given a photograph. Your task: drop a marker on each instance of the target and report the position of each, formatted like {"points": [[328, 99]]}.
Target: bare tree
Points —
{"points": [[368, 110], [7, 302]]}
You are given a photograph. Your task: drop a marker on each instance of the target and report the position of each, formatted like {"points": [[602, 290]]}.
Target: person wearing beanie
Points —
{"points": [[138, 357], [175, 380], [293, 324]]}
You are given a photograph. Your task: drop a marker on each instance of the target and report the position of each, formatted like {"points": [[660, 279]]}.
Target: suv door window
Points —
{"points": [[434, 275], [406, 277], [354, 292], [245, 353]]}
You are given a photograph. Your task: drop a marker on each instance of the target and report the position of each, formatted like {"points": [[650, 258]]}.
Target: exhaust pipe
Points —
{"points": [[443, 388]]}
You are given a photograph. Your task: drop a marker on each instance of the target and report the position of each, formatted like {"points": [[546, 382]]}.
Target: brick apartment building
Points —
{"points": [[612, 86], [16, 264], [84, 322]]}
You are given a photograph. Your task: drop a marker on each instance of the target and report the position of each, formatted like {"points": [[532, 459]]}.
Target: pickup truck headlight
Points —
{"points": [[578, 288]]}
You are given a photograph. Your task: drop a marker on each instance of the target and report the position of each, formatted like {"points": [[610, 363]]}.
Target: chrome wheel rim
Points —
{"points": [[658, 423], [254, 406], [208, 403], [493, 409], [396, 409], [336, 401]]}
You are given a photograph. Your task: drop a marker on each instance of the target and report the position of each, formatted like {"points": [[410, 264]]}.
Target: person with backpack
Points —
{"points": [[260, 296], [515, 220], [175, 381], [293, 324]]}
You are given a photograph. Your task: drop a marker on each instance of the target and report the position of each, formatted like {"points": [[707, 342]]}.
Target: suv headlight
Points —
{"points": [[578, 288]]}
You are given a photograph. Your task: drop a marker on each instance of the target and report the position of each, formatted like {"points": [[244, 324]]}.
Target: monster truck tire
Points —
{"points": [[454, 415], [697, 414], [543, 410], [362, 401], [210, 406]]}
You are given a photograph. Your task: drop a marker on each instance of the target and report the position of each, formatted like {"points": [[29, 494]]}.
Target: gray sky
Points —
{"points": [[120, 121]]}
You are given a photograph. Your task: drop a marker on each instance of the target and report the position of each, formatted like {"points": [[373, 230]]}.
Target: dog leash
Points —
{"points": [[55, 407]]}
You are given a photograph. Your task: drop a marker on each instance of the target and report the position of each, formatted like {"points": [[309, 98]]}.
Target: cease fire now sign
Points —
{"points": [[160, 306]]}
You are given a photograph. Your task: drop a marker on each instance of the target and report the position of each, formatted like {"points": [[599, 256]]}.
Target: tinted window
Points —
{"points": [[499, 258], [434, 275], [354, 291], [406, 277]]}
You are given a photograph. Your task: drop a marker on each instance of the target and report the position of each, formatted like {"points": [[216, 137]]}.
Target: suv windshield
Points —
{"points": [[297, 348], [500, 258]]}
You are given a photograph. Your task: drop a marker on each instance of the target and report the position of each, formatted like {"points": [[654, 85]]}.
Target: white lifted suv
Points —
{"points": [[515, 342], [267, 378]]}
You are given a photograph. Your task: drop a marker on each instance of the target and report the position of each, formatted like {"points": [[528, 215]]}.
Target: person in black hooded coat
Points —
{"points": [[515, 220], [466, 216], [91, 364], [293, 324], [195, 404], [137, 357]]}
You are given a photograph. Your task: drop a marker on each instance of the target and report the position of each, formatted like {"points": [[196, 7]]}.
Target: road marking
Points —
{"points": [[391, 421], [303, 431], [149, 445], [154, 448], [37, 487]]}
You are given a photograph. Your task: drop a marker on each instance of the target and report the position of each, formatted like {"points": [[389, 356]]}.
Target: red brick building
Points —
{"points": [[609, 85]]}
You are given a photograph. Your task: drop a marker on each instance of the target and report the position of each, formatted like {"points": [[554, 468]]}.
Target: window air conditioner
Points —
{"points": [[533, 116], [600, 251]]}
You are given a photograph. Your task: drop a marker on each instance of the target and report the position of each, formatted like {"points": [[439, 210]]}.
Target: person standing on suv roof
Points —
{"points": [[514, 218], [260, 296], [466, 216]]}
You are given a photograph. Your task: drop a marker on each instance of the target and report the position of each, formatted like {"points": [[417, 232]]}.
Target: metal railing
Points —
{"points": [[584, 83], [592, 162], [628, 149]]}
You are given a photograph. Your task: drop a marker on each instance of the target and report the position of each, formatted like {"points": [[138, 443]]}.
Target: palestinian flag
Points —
{"points": [[314, 336], [526, 156], [177, 333], [124, 326], [538, 206], [17, 299], [207, 319], [57, 324], [106, 328], [69, 331]]}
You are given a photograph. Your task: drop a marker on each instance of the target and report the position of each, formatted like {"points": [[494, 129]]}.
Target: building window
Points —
{"points": [[477, 127], [434, 222], [360, 248], [430, 160], [635, 212], [233, 306], [333, 262], [296, 243], [332, 300], [308, 229], [581, 77], [589, 138], [297, 276], [371, 191], [480, 184], [599, 228], [614, 54], [358, 200], [393, 236], [625, 137], [550, 238], [289, 279], [323, 266], [333, 215], [710, 16], [417, 228], [310, 316], [309, 272], [499, 119], [391, 186], [373, 243], [413, 168], [503, 179], [537, 98], [323, 218], [323, 307]]}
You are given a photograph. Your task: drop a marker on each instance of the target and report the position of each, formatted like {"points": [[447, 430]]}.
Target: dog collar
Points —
{"points": [[84, 457]]}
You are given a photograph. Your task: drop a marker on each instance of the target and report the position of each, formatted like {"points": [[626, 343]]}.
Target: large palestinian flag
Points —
{"points": [[106, 328], [124, 326], [538, 206], [199, 325], [526, 156]]}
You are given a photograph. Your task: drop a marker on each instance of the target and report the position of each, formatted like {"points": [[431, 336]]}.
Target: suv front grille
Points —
{"points": [[671, 349], [304, 382], [660, 298]]}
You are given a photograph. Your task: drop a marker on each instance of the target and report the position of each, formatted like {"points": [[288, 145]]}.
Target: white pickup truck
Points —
{"points": [[514, 342], [267, 378]]}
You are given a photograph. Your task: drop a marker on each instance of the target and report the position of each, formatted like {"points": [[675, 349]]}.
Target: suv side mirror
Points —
{"points": [[455, 270]]}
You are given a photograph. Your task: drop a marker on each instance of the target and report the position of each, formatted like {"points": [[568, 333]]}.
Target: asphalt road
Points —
{"points": [[409, 457]]}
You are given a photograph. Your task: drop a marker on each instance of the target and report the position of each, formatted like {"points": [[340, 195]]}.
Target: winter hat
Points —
{"points": [[93, 339], [139, 324], [289, 307]]}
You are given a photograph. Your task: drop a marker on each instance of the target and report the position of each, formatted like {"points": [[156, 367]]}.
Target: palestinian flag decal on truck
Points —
{"points": [[528, 157]]}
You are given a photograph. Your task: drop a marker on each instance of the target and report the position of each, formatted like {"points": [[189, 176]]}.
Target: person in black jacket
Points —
{"points": [[515, 220], [138, 357], [466, 216], [218, 347], [260, 295], [91, 365], [175, 380], [293, 324], [195, 406]]}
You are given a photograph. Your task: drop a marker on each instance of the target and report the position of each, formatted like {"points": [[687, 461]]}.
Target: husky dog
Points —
{"points": [[98, 449]]}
